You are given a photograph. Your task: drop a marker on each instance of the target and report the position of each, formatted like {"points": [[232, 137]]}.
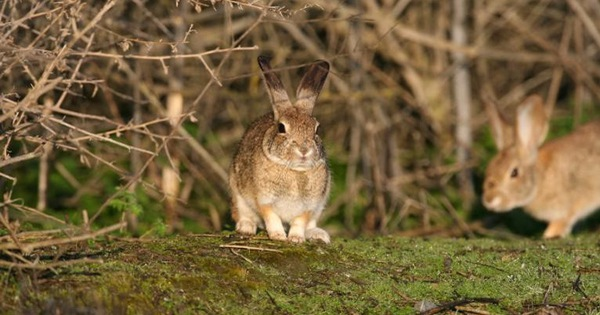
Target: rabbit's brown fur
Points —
{"points": [[557, 182], [279, 175]]}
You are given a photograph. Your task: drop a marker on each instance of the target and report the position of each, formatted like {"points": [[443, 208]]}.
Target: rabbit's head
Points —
{"points": [[510, 178], [292, 139]]}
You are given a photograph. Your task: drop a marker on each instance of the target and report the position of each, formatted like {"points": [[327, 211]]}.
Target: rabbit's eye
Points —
{"points": [[281, 128], [514, 173]]}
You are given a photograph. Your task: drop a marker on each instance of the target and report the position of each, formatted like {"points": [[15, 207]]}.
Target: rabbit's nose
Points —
{"points": [[305, 150]]}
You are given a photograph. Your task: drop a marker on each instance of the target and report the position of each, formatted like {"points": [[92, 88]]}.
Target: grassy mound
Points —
{"points": [[223, 274]]}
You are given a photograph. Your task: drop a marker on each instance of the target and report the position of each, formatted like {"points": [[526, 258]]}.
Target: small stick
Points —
{"points": [[95, 136], [452, 305], [164, 57], [242, 256], [251, 248], [35, 234], [50, 265], [26, 248]]}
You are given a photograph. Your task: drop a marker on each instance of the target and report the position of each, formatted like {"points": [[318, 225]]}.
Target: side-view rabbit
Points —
{"points": [[557, 182], [279, 174]]}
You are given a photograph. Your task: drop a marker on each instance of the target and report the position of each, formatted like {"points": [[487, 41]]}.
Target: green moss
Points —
{"points": [[194, 274]]}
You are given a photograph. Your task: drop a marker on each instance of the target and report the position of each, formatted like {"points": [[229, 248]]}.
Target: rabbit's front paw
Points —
{"points": [[296, 238], [318, 234], [557, 229], [245, 227], [277, 236]]}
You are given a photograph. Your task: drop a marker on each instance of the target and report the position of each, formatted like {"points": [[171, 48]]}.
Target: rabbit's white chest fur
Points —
{"points": [[289, 208], [293, 193]]}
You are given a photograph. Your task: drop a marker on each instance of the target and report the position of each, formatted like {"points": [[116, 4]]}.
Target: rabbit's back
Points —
{"points": [[570, 171]]}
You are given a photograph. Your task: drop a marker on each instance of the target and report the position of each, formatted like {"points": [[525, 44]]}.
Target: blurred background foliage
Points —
{"points": [[131, 110]]}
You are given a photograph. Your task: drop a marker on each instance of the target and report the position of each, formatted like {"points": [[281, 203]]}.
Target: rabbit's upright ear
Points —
{"points": [[279, 97], [502, 130], [531, 126], [311, 85]]}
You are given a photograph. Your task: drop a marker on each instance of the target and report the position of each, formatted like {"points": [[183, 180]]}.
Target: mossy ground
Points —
{"points": [[386, 275]]}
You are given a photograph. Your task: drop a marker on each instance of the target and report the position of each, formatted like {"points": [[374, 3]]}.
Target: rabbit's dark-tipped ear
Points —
{"points": [[311, 85], [279, 97]]}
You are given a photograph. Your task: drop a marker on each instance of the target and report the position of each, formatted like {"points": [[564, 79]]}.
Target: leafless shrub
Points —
{"points": [[140, 92]]}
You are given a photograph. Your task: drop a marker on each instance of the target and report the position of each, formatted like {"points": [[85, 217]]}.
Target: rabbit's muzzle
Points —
{"points": [[493, 198]]}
